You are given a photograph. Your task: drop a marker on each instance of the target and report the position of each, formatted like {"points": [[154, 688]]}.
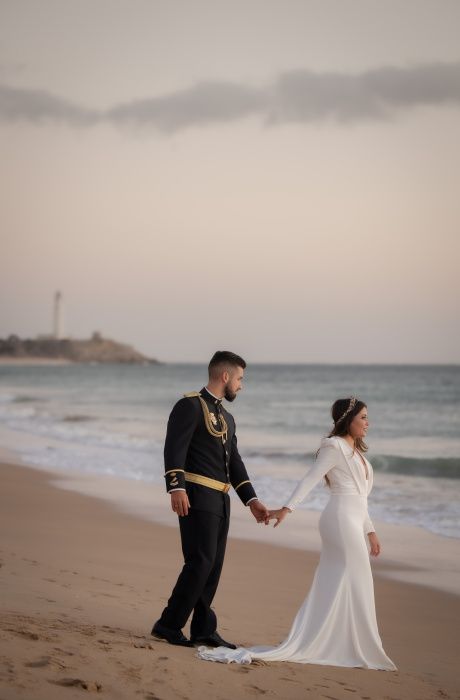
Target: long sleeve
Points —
{"points": [[327, 458], [181, 426], [238, 475], [368, 525]]}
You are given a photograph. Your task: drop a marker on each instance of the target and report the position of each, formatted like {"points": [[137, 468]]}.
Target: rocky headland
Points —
{"points": [[95, 349]]}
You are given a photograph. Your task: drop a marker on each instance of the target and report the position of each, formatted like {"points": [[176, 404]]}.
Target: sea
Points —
{"points": [[111, 419]]}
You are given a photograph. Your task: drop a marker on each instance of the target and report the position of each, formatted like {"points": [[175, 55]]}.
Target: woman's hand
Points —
{"points": [[278, 515], [374, 544]]}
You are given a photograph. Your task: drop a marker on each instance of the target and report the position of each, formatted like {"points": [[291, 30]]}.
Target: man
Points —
{"points": [[202, 462]]}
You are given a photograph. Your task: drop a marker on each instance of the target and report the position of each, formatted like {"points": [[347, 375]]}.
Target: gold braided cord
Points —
{"points": [[207, 418], [241, 484], [174, 470], [208, 422]]}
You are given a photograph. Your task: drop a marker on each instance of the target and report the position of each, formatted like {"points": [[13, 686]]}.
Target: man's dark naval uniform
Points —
{"points": [[198, 448]]}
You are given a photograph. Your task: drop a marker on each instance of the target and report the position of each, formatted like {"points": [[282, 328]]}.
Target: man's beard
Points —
{"points": [[229, 395]]}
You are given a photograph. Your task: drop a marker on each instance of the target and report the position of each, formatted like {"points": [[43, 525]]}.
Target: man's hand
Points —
{"points": [[179, 502], [259, 511]]}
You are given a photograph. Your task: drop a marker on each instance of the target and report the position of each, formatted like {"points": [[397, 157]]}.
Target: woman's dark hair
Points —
{"points": [[343, 412], [343, 417]]}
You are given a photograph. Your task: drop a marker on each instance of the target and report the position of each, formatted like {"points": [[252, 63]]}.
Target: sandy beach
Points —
{"points": [[82, 582]]}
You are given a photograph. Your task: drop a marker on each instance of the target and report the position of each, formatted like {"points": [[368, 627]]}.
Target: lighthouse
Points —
{"points": [[57, 316]]}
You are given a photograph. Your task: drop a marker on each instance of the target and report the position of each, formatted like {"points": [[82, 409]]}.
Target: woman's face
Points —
{"points": [[359, 425]]}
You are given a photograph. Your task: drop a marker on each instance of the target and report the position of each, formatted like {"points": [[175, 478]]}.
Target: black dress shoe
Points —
{"points": [[172, 636], [214, 640]]}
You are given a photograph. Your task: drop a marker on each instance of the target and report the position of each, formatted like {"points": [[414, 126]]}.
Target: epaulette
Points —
{"points": [[191, 394]]}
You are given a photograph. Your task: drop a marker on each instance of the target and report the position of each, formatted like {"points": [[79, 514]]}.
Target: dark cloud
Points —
{"points": [[39, 106], [202, 104], [297, 96], [303, 96]]}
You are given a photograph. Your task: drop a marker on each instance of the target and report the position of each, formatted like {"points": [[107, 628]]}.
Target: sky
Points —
{"points": [[275, 177]]}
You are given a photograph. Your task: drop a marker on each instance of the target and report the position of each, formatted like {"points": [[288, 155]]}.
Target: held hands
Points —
{"points": [[374, 543], [278, 515], [181, 505], [259, 511]]}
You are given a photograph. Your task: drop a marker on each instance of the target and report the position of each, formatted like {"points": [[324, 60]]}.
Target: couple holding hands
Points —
{"points": [[336, 625]]}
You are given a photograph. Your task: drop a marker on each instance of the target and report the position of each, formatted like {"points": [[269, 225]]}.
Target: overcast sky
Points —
{"points": [[279, 178]]}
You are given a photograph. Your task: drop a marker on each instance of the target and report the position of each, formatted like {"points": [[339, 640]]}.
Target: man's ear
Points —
{"points": [[225, 376]]}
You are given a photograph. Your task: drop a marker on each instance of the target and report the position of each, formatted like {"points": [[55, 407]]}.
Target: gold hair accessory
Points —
{"points": [[351, 405]]}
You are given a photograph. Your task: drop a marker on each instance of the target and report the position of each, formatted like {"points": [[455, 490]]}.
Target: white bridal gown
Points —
{"points": [[336, 624]]}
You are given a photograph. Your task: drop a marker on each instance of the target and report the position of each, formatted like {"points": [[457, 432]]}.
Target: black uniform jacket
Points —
{"points": [[190, 447]]}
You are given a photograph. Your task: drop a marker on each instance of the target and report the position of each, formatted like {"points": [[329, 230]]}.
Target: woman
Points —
{"points": [[336, 624]]}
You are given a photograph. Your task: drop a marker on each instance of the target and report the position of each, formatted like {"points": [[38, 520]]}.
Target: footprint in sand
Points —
{"points": [[8, 667], [105, 595], [143, 644], [85, 631], [24, 633], [256, 690], [39, 663], [93, 686], [105, 644], [64, 651]]}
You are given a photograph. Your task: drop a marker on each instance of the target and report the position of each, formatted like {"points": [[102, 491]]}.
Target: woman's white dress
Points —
{"points": [[336, 624]]}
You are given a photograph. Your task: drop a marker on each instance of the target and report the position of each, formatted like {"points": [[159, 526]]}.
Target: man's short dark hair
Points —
{"points": [[223, 358]]}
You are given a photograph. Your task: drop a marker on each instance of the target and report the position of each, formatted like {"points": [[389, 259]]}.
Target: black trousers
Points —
{"points": [[204, 538]]}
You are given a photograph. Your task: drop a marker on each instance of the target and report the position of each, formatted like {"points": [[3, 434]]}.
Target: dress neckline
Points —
{"points": [[362, 459]]}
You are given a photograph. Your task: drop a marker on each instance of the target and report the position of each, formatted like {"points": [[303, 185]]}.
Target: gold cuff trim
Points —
{"points": [[206, 481], [174, 470], [243, 482]]}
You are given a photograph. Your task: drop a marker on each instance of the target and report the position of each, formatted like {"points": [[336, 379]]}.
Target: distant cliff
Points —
{"points": [[96, 349]]}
